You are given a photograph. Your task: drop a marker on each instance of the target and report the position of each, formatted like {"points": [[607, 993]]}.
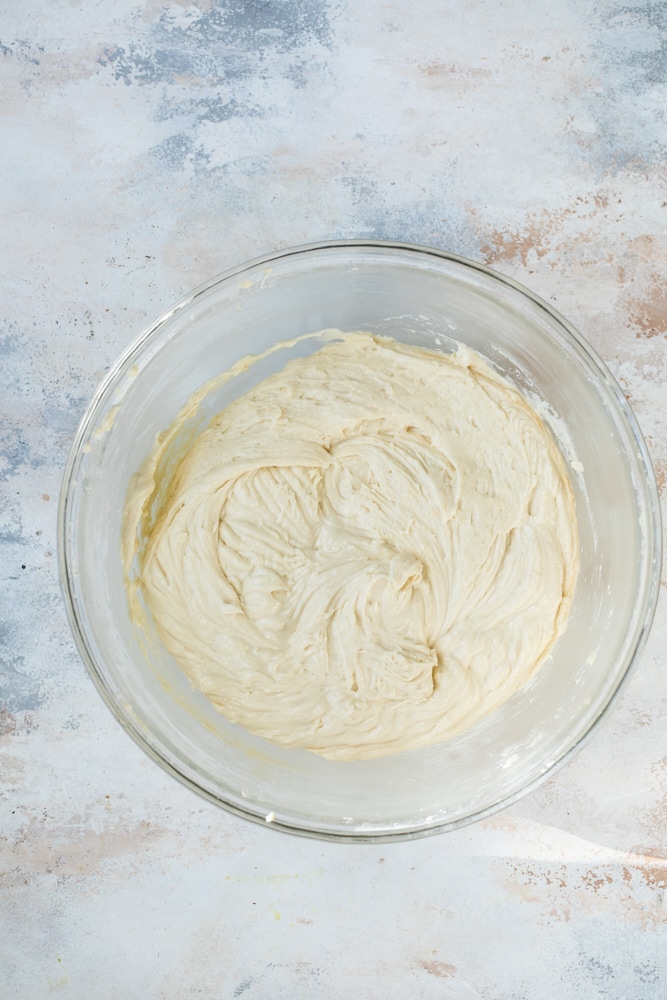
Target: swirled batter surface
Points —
{"points": [[365, 553]]}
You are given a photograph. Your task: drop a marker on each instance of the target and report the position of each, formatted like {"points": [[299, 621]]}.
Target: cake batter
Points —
{"points": [[366, 553]]}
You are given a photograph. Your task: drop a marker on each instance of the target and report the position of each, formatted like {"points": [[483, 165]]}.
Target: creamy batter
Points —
{"points": [[366, 553]]}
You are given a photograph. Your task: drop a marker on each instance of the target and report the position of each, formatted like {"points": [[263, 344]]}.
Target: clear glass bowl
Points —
{"points": [[423, 297]]}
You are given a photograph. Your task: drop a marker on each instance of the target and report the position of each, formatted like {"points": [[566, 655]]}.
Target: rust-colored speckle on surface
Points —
{"points": [[649, 314], [7, 722], [441, 970]]}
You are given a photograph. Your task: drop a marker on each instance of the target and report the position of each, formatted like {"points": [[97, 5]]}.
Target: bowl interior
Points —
{"points": [[422, 298]]}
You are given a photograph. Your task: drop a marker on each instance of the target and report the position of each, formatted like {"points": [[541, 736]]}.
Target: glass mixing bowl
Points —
{"points": [[423, 297]]}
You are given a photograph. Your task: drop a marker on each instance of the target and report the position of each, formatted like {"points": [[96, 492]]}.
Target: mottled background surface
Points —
{"points": [[144, 147]]}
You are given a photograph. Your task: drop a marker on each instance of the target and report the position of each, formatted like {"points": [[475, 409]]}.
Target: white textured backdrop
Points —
{"points": [[144, 147]]}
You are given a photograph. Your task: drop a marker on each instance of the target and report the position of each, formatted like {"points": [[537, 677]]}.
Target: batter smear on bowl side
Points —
{"points": [[365, 553]]}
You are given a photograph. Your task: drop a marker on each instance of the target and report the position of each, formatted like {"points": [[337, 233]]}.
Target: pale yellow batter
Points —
{"points": [[365, 553]]}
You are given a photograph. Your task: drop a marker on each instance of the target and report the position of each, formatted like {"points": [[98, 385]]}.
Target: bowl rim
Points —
{"points": [[652, 540]]}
